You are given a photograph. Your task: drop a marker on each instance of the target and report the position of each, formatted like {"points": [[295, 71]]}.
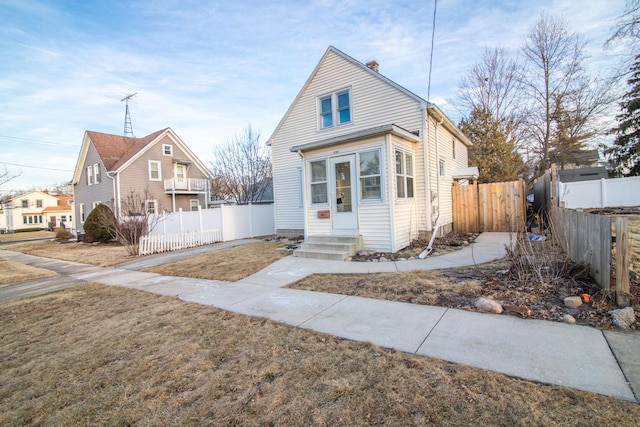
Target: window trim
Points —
{"points": [[379, 174], [453, 147], [191, 204], [335, 109], [164, 151], [22, 203], [96, 173], [442, 167], [325, 182], [89, 175], [154, 210], [82, 212], [39, 203], [405, 159], [157, 162]]}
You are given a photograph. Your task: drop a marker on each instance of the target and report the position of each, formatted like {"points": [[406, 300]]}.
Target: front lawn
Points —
{"points": [[101, 355]]}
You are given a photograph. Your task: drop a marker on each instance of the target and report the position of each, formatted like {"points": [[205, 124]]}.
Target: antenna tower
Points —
{"points": [[128, 129]]}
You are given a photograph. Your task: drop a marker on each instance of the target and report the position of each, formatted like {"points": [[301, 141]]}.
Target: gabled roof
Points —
{"points": [[117, 151], [424, 104]]}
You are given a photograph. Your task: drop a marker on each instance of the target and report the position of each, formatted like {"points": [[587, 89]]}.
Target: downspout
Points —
{"points": [[116, 199], [304, 193], [425, 166], [437, 167], [393, 194]]}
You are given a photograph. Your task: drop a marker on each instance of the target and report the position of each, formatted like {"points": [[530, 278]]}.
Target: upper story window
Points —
{"points": [[404, 175], [319, 181], [38, 203], [96, 173], [167, 149], [155, 173], [453, 147], [335, 109], [443, 168], [370, 188], [89, 175], [24, 203]]}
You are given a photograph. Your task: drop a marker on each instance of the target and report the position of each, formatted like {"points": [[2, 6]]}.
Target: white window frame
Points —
{"points": [[335, 109], [442, 167], [96, 173], [379, 174], [166, 152], [197, 204], [319, 183], [89, 175], [156, 162], [154, 206], [82, 213], [404, 176], [453, 147], [39, 203]]}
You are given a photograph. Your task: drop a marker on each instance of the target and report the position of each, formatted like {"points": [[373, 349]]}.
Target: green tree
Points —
{"points": [[99, 224], [624, 153], [492, 152]]}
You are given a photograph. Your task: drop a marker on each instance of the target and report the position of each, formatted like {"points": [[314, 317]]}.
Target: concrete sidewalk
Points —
{"points": [[548, 352]]}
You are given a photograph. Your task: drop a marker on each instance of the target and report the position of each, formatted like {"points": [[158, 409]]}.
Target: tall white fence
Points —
{"points": [[602, 193], [158, 243], [234, 222]]}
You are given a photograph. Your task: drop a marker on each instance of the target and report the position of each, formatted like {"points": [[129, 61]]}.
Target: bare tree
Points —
{"points": [[492, 85], [242, 167], [6, 176], [133, 218], [627, 34], [560, 96]]}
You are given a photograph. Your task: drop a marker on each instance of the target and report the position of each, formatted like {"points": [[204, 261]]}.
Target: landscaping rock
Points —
{"points": [[567, 318], [573, 312], [623, 318], [519, 309], [488, 305], [383, 259], [573, 302]]}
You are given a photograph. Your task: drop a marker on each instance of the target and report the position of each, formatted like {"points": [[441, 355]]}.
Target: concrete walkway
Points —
{"points": [[574, 356]]}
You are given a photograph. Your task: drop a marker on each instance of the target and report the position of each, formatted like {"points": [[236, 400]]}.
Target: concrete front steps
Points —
{"points": [[334, 248]]}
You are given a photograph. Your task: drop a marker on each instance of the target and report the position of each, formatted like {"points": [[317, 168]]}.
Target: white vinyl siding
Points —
{"points": [[373, 103]]}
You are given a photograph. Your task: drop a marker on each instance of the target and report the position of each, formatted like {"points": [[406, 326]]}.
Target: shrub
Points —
{"points": [[99, 225], [62, 234]]}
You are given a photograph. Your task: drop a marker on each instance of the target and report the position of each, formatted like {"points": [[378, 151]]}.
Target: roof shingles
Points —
{"points": [[115, 150]]}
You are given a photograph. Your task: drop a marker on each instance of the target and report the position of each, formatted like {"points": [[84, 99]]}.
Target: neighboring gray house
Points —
{"points": [[159, 165], [356, 154]]}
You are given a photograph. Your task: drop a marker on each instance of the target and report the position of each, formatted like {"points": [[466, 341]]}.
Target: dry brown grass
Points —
{"points": [[26, 235], [15, 272], [98, 355], [97, 254], [230, 264]]}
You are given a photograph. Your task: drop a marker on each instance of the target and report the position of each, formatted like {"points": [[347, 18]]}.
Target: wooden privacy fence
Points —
{"points": [[157, 243], [587, 238], [498, 206]]}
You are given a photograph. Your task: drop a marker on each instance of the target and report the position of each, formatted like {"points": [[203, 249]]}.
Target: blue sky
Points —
{"points": [[208, 68]]}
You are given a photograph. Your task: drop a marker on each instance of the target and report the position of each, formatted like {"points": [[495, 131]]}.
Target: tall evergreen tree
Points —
{"points": [[624, 154], [492, 151]]}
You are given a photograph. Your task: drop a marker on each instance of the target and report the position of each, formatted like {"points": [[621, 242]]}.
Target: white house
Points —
{"points": [[356, 154], [36, 210]]}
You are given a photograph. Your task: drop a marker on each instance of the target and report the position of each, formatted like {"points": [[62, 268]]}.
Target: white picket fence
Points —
{"points": [[180, 230], [158, 243]]}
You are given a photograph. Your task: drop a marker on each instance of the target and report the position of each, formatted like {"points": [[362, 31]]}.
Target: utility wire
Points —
{"points": [[433, 34], [37, 141], [35, 167]]}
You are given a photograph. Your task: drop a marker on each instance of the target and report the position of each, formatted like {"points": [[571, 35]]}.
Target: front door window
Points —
{"points": [[343, 186]]}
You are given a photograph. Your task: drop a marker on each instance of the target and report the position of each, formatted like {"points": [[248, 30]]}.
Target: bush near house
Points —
{"points": [[98, 226]]}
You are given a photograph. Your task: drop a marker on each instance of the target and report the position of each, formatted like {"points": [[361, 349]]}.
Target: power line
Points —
{"points": [[35, 167], [38, 141]]}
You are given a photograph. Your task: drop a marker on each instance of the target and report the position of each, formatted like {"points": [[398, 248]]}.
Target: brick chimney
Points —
{"points": [[373, 65]]}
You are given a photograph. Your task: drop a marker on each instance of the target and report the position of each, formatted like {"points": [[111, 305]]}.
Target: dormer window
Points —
{"points": [[335, 109]]}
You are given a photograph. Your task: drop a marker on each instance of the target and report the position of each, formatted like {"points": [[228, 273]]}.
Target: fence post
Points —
{"points": [[200, 217], [180, 216], [622, 261], [603, 193], [251, 220], [222, 222]]}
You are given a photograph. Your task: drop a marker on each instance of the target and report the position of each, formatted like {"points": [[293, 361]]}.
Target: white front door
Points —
{"points": [[344, 197]]}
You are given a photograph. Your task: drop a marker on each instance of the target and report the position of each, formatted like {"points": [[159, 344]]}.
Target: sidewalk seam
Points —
{"points": [[322, 311], [431, 330], [624, 374]]}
